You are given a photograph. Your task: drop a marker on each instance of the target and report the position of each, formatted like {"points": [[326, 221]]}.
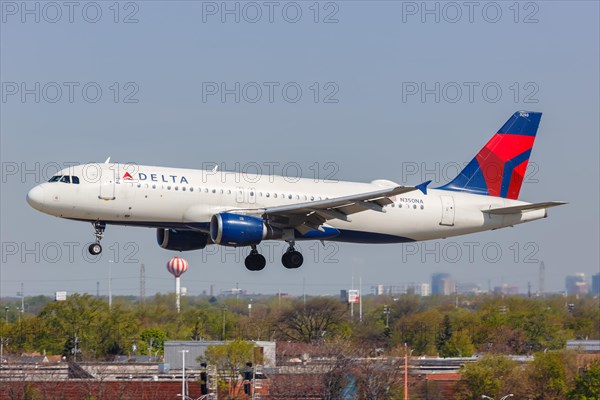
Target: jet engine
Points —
{"points": [[180, 240]]}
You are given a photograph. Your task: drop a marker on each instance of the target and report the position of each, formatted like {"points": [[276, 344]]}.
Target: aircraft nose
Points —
{"points": [[36, 198]]}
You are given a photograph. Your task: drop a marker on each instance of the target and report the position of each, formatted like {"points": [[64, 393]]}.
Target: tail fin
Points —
{"points": [[499, 167]]}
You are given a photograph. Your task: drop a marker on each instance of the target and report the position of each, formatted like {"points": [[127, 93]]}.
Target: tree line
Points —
{"points": [[434, 326]]}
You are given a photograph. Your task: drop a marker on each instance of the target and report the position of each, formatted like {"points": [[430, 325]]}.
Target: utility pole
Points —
{"points": [[360, 298], [75, 350], [22, 299], [386, 311], [142, 283], [304, 291], [352, 302], [110, 263], [223, 310], [2, 338], [405, 371], [183, 391]]}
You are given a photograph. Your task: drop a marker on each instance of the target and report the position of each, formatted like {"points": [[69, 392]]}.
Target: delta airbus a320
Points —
{"points": [[191, 209]]}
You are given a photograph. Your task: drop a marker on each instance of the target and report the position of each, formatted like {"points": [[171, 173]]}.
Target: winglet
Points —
{"points": [[423, 186], [107, 160]]}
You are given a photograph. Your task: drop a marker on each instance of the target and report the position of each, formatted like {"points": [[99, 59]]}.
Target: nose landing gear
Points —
{"points": [[96, 248]]}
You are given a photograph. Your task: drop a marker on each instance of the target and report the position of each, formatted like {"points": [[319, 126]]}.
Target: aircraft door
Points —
{"points": [[239, 195], [107, 184], [447, 210]]}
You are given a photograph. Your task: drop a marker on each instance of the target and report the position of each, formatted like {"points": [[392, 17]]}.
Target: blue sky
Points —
{"points": [[355, 67]]}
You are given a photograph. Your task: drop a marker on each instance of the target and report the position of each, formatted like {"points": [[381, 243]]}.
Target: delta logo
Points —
{"points": [[156, 178]]}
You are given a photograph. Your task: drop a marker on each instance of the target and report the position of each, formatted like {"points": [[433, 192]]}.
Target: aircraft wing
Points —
{"points": [[523, 208], [311, 215]]}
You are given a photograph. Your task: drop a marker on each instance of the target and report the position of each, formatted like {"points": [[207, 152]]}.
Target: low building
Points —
{"points": [[196, 350]]}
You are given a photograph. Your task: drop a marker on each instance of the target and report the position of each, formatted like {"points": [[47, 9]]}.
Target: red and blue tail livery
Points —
{"points": [[499, 167]]}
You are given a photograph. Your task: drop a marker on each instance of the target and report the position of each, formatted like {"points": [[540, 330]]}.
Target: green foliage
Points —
{"points": [[437, 325], [587, 383], [459, 345], [489, 376], [154, 340], [548, 375], [231, 356]]}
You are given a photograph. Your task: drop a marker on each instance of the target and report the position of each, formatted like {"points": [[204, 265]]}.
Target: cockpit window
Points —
{"points": [[65, 179]]}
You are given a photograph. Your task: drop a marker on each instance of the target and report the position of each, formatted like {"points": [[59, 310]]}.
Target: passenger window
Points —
{"points": [[65, 179], [169, 187], [275, 195], [191, 189], [290, 196], [214, 190], [312, 198], [267, 194], [183, 188], [414, 206], [153, 186], [422, 206], [75, 180]]}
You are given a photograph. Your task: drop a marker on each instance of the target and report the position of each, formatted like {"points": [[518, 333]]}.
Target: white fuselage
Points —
{"points": [[178, 198]]}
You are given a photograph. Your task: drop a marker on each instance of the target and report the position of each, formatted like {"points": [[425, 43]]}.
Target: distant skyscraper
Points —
{"points": [[442, 284], [576, 284], [596, 284]]}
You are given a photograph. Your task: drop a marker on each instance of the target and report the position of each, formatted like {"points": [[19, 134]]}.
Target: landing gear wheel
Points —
{"points": [[255, 261], [292, 259], [95, 249]]}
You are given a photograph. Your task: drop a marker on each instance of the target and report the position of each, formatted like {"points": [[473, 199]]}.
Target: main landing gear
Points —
{"points": [[255, 261], [291, 258], [96, 248]]}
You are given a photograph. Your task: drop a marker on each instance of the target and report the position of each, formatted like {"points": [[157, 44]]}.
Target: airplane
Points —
{"points": [[191, 209]]}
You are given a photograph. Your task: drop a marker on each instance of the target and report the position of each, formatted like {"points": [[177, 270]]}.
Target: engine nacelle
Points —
{"points": [[229, 229], [172, 239]]}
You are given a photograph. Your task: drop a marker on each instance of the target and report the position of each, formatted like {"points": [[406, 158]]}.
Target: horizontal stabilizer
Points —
{"points": [[524, 208]]}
